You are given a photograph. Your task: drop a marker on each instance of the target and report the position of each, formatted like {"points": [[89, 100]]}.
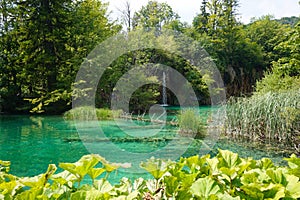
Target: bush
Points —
{"points": [[277, 82], [190, 124], [88, 113], [225, 176]]}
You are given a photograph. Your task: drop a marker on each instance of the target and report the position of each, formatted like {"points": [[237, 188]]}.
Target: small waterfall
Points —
{"points": [[164, 91]]}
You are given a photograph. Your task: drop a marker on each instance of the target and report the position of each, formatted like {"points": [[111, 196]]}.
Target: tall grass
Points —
{"points": [[191, 124], [272, 116], [88, 113]]}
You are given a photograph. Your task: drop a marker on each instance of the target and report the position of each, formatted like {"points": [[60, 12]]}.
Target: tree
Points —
{"points": [[200, 22], [292, 21], [10, 89], [127, 16], [51, 38], [285, 73], [268, 33], [154, 15], [225, 39]]}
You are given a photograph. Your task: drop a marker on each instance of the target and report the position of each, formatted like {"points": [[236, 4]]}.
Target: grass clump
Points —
{"points": [[272, 116], [90, 113], [190, 124]]}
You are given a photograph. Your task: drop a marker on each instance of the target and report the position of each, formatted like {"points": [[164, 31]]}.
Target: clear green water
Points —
{"points": [[32, 142]]}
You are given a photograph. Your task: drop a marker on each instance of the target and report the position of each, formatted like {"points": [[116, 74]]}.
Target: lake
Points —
{"points": [[33, 142]]}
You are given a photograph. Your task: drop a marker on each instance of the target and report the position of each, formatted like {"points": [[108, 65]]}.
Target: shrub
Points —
{"points": [[190, 124], [277, 82]]}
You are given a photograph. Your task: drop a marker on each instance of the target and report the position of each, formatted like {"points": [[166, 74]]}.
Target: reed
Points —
{"points": [[90, 113], [191, 124], [268, 117]]}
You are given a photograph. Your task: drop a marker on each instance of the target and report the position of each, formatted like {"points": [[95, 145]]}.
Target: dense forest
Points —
{"points": [[44, 42]]}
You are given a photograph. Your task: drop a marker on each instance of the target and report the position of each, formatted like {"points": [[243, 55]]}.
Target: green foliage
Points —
{"points": [[292, 21], [89, 113], [191, 124], [155, 15], [62, 185], [124, 75], [239, 59], [224, 177], [285, 74], [276, 82], [272, 116], [267, 33], [42, 46]]}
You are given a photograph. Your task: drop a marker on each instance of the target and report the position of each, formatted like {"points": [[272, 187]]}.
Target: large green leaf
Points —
{"points": [[294, 163], [265, 163], [156, 167], [64, 177], [293, 187], [245, 165], [91, 194], [188, 180], [40, 180], [251, 192], [103, 186], [249, 177], [192, 163], [10, 188], [213, 166], [83, 166], [95, 172], [31, 194], [172, 185], [277, 176], [228, 159], [229, 174], [4, 166], [226, 196], [205, 187], [273, 191]]}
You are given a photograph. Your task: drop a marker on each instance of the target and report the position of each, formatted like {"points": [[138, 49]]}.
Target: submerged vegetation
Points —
{"points": [[225, 176]]}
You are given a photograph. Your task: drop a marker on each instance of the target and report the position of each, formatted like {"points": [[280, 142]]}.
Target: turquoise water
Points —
{"points": [[32, 142]]}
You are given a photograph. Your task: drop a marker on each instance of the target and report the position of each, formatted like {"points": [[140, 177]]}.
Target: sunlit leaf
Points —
{"points": [[156, 167], [103, 185], [95, 172], [293, 187], [228, 159], [205, 187]]}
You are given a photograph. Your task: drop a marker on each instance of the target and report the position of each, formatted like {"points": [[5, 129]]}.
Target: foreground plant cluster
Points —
{"points": [[225, 176]]}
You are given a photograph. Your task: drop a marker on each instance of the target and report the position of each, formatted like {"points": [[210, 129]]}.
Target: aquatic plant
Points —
{"points": [[268, 117], [191, 124], [225, 176], [90, 113]]}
